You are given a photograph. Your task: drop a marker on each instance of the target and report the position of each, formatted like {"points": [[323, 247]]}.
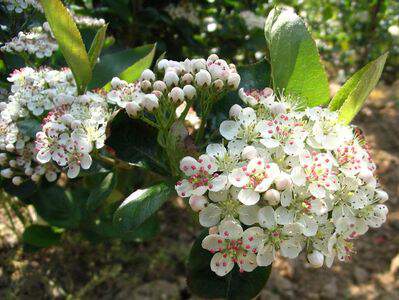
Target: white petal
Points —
{"points": [[218, 196], [43, 156], [208, 163], [248, 196], [309, 226], [266, 255], [230, 229], [197, 203], [284, 216], [220, 265], [251, 238], [229, 129], [189, 166], [216, 150], [210, 215], [290, 248], [73, 170], [266, 216], [184, 188], [218, 183], [247, 261], [264, 185], [213, 243], [286, 197], [85, 161], [317, 190], [248, 214], [238, 178], [298, 176]]}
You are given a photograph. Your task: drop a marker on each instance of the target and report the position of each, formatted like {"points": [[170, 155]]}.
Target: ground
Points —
{"points": [[156, 270]]}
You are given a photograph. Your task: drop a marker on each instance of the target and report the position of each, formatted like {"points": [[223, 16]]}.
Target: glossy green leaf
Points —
{"points": [[40, 236], [351, 96], [106, 184], [29, 127], [203, 282], [139, 206], [295, 61], [111, 65], [97, 45], [58, 207], [69, 41]]}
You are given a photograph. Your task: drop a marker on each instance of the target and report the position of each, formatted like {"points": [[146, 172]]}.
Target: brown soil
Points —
{"points": [[155, 270]]}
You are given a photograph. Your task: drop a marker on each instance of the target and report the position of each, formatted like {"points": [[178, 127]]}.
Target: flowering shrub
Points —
{"points": [[100, 144]]}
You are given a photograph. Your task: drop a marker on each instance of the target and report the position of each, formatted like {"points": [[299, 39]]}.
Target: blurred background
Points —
{"points": [[348, 34]]}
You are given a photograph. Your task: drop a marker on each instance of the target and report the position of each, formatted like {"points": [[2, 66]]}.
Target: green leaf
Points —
{"points": [[97, 45], [295, 61], [29, 127], [203, 282], [142, 150], [146, 231], [40, 236], [58, 207], [139, 206], [351, 96], [103, 190], [114, 64], [69, 41]]}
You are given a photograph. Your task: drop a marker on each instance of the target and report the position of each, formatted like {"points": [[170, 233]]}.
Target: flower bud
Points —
{"points": [[199, 64], [145, 86], [163, 64], [10, 147], [189, 91], [218, 84], [278, 108], [187, 78], [75, 124], [7, 173], [176, 94], [28, 171], [233, 80], [116, 82], [203, 78], [213, 230], [235, 111], [249, 152], [159, 86], [171, 78], [366, 175], [17, 180], [197, 203], [150, 102], [212, 58], [35, 177], [148, 75], [132, 109], [67, 119], [283, 181], [316, 259], [12, 163], [272, 196], [382, 195], [3, 159], [157, 93]]}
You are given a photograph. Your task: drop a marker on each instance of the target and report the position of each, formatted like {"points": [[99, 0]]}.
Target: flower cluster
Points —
{"points": [[45, 126], [88, 21], [38, 41], [20, 5], [293, 179], [252, 21], [184, 11], [176, 82]]}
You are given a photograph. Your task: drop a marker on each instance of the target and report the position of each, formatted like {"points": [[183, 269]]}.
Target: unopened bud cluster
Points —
{"points": [[174, 83], [38, 41], [20, 5], [296, 180]]}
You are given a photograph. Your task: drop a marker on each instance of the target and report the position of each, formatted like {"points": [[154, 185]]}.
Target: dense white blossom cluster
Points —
{"points": [[252, 21], [20, 5], [88, 21], [284, 181], [71, 125], [38, 41], [184, 11], [176, 83]]}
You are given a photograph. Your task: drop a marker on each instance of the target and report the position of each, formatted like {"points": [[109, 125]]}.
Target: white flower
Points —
{"points": [[316, 259], [177, 95], [171, 78], [233, 245]]}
